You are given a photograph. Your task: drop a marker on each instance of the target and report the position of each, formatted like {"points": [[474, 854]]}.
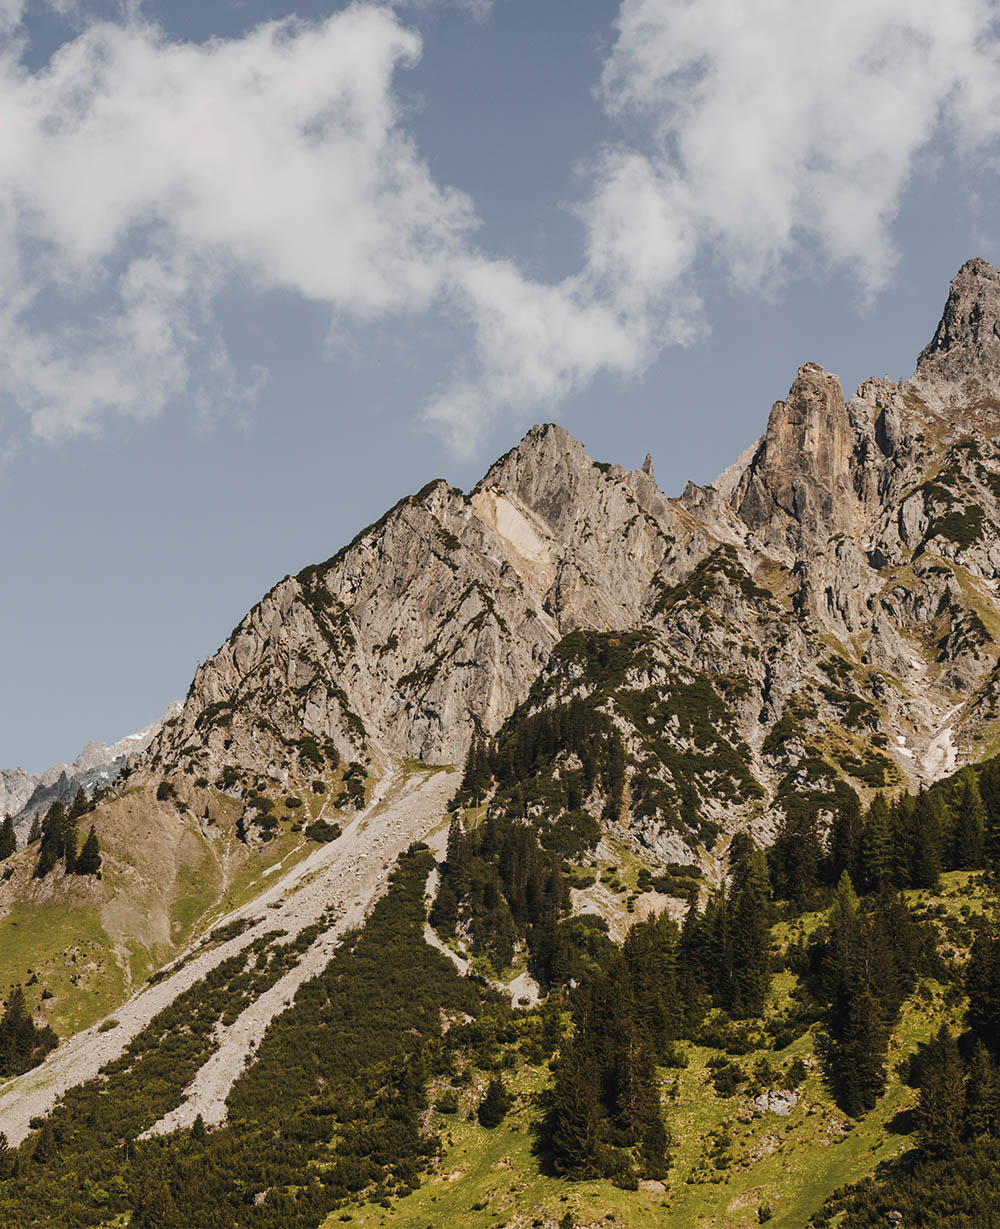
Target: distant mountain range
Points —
{"points": [[26, 794]]}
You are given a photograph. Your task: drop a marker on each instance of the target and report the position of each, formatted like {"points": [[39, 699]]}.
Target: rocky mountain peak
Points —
{"points": [[964, 352], [547, 472], [799, 481]]}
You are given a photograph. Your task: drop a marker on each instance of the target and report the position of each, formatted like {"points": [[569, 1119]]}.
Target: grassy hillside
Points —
{"points": [[728, 1162], [171, 866]]}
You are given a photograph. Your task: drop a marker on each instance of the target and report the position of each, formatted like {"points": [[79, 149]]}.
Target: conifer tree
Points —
{"points": [[494, 1105], [942, 1095], [901, 829], [58, 840], [875, 854], [575, 1116], [969, 832], [859, 1053], [858, 1036], [982, 1094], [8, 839], [35, 832], [982, 984], [796, 856], [925, 866], [845, 839], [88, 861]]}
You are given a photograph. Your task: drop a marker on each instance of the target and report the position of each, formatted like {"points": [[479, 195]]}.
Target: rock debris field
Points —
{"points": [[345, 876]]}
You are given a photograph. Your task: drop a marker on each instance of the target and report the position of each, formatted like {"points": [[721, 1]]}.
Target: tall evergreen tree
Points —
{"points": [[982, 984], [845, 839], [88, 861], [925, 861], [575, 1116], [8, 839], [982, 1094], [875, 855], [969, 831], [859, 1052], [942, 1095], [494, 1105], [858, 1036]]}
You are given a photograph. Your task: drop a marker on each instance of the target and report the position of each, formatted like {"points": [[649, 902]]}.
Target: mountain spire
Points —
{"points": [[965, 349]]}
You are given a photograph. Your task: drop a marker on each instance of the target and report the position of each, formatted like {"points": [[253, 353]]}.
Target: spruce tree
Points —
{"points": [[969, 833], [875, 855], [35, 833], [8, 839], [982, 984], [575, 1119], [845, 839], [494, 1105], [982, 1095], [942, 1095], [859, 1053], [89, 860], [925, 865]]}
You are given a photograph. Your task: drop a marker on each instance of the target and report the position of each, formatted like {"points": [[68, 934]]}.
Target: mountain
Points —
{"points": [[834, 593], [409, 856], [23, 795]]}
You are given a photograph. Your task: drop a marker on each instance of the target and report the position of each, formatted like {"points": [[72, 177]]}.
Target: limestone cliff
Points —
{"points": [[836, 591]]}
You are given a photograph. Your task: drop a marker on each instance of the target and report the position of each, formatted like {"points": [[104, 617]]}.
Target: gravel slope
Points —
{"points": [[347, 874]]}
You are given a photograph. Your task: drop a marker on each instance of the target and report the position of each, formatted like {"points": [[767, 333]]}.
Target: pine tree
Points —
{"points": [[58, 834], [859, 1054], [982, 1095], [982, 984], [494, 1105], [925, 865], [969, 834], [796, 856], [858, 1036], [89, 860], [575, 1119], [8, 839], [35, 834], [444, 912], [875, 854], [845, 839], [749, 961], [942, 1095]]}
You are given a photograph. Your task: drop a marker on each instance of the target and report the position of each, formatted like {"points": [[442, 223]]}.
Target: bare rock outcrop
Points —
{"points": [[840, 580]]}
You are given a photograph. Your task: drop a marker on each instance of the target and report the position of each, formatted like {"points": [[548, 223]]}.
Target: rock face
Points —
{"points": [[799, 484], [964, 352], [832, 598]]}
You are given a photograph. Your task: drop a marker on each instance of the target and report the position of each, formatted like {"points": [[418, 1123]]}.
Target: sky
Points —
{"points": [[264, 270]]}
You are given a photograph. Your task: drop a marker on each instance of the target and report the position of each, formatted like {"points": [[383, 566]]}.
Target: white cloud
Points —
{"points": [[150, 172], [780, 123], [751, 134], [139, 177]]}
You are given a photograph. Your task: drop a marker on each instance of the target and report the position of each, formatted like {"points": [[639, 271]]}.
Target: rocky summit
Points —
{"points": [[835, 592]]}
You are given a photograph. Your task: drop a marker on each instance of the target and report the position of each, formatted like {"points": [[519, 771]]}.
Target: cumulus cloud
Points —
{"points": [[144, 174], [750, 134], [139, 177], [783, 123]]}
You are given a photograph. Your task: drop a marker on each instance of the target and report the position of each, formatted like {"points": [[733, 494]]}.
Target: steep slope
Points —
{"points": [[641, 679], [824, 618], [836, 590]]}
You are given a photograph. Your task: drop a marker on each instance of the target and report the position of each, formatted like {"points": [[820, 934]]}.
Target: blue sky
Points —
{"points": [[260, 280]]}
